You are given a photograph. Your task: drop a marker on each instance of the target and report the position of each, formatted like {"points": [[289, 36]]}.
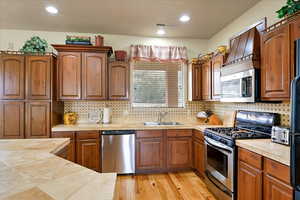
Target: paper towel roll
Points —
{"points": [[106, 115]]}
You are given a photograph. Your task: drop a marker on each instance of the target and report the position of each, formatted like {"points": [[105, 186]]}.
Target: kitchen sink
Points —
{"points": [[162, 123]]}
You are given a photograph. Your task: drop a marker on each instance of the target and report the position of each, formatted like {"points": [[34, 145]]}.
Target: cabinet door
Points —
{"points": [[94, 72], [37, 120], [276, 65], [198, 154], [196, 82], [179, 153], [276, 190], [12, 77], [217, 63], [12, 120], [206, 80], [38, 70], [71, 149], [249, 182], [149, 154], [88, 153], [118, 81], [69, 71]]}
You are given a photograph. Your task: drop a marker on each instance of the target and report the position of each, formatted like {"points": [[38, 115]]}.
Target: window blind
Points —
{"points": [[156, 84]]}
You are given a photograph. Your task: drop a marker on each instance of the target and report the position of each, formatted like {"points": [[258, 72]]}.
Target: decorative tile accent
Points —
{"points": [[282, 108], [122, 111]]}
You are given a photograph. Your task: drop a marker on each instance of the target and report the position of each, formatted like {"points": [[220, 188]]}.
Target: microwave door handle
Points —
{"points": [[241, 87]]}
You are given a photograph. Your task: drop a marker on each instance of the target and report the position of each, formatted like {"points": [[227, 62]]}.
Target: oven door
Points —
{"points": [[219, 162], [238, 87]]}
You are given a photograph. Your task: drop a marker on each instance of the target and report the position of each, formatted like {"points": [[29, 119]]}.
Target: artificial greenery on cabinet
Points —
{"points": [[291, 7], [35, 45]]}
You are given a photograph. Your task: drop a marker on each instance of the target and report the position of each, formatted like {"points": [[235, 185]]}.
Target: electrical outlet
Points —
{"points": [[11, 46]]}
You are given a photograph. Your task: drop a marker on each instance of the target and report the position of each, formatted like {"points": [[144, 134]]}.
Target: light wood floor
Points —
{"points": [[171, 186]]}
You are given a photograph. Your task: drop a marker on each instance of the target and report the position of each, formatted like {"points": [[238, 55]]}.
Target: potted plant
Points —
{"points": [[35, 45], [291, 7]]}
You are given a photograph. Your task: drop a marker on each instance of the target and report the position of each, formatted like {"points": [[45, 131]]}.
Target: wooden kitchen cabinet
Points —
{"points": [[69, 71], [118, 80], [275, 189], [276, 70], [179, 149], [195, 82], [94, 73], [12, 77], [37, 120], [206, 81], [12, 120], [216, 65], [88, 149], [71, 151], [38, 77], [198, 153], [150, 153]]}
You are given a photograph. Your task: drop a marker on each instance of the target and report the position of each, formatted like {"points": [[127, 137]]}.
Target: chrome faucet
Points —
{"points": [[161, 116]]}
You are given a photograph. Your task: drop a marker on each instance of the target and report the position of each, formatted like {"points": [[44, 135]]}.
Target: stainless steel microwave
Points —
{"points": [[239, 86]]}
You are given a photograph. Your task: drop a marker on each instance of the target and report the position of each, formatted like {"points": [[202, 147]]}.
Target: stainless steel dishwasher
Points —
{"points": [[118, 152]]}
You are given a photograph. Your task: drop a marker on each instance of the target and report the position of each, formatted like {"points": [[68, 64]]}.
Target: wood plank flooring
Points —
{"points": [[171, 186]]}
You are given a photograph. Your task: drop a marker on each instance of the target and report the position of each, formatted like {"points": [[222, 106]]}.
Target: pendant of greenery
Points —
{"points": [[35, 45], [291, 7]]}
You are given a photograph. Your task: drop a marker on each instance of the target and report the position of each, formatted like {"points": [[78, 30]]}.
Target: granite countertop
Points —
{"points": [[266, 148], [30, 170], [129, 126]]}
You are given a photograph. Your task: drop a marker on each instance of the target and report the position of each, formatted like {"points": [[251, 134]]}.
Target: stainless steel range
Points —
{"points": [[220, 149]]}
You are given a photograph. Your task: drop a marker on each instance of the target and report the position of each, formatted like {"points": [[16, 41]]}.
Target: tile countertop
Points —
{"points": [[30, 170], [130, 126], [266, 148]]}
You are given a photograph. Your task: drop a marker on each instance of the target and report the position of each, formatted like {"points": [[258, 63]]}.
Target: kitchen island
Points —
{"points": [[29, 169]]}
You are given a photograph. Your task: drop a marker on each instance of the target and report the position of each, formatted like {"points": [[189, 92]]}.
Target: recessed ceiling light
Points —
{"points": [[161, 32], [51, 9], [185, 18]]}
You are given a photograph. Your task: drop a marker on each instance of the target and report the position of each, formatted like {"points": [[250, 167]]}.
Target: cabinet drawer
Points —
{"points": [[88, 135], [277, 170], [179, 133], [198, 135], [250, 158], [70, 135], [149, 134]]}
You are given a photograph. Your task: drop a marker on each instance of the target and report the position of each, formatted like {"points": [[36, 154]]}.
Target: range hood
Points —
{"points": [[244, 50]]}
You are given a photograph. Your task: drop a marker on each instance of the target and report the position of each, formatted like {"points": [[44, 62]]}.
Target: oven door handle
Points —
{"points": [[214, 143]]}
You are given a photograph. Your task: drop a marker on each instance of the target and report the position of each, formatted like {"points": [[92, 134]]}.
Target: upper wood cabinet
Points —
{"points": [[276, 72], [206, 80], [82, 72], [12, 77], [216, 65], [12, 120], [69, 73], [37, 120], [195, 82], [118, 80], [94, 73], [38, 77]]}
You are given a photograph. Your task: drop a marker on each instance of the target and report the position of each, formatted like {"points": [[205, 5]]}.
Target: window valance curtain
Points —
{"points": [[158, 53]]}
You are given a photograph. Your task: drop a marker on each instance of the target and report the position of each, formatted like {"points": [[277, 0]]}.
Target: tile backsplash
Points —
{"points": [[122, 111], [282, 108]]}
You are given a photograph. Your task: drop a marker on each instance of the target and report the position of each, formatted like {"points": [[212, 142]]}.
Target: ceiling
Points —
{"points": [[128, 17]]}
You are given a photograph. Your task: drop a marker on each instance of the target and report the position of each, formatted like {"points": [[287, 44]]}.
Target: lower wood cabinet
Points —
{"points": [[12, 120], [257, 180], [88, 150], [179, 153], [149, 151], [198, 153], [249, 182]]}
